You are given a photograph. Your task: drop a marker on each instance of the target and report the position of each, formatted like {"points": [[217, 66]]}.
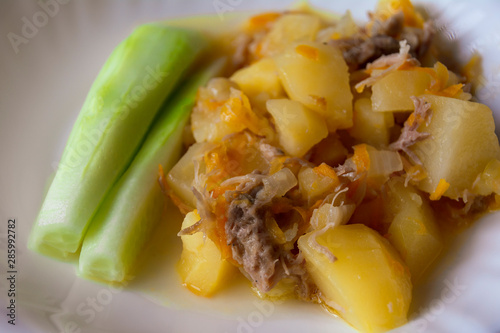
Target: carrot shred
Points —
{"points": [[220, 230], [411, 119], [361, 158], [237, 113], [327, 171], [162, 179], [262, 21], [440, 76], [308, 52], [441, 188], [450, 91]]}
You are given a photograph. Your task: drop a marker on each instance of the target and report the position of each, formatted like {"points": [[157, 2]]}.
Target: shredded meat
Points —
{"points": [[390, 27], [384, 39], [360, 49], [245, 182], [252, 246], [419, 39], [410, 134], [390, 62], [358, 52], [263, 261]]}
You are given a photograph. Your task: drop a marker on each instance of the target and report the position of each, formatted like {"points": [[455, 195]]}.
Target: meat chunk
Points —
{"points": [[251, 244], [418, 39], [384, 39], [358, 51], [388, 64], [391, 27], [262, 260]]}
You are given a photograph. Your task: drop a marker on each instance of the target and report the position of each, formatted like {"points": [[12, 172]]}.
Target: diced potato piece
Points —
{"points": [[287, 29], [259, 82], [371, 127], [462, 142], [315, 184], [181, 176], [345, 27], [413, 230], [298, 127], [392, 93], [368, 284], [202, 269], [317, 76]]}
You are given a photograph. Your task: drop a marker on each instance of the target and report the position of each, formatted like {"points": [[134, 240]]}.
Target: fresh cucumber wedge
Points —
{"points": [[135, 205], [119, 109]]}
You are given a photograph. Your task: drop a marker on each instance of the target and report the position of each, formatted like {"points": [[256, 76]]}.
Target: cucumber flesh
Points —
{"points": [[136, 204], [120, 107]]}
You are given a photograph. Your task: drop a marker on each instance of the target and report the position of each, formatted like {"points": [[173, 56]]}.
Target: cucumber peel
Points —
{"points": [[123, 101], [136, 204]]}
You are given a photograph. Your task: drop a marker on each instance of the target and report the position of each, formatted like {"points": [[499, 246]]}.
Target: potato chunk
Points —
{"points": [[392, 93], [413, 230], [202, 269], [317, 76], [316, 183], [371, 127], [288, 29], [298, 127], [181, 176], [259, 82], [461, 144], [368, 284]]}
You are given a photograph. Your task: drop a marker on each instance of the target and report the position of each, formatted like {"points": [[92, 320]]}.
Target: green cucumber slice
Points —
{"points": [[135, 205], [119, 109]]}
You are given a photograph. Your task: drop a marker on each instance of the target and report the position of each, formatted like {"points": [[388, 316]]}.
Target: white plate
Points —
{"points": [[44, 78]]}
